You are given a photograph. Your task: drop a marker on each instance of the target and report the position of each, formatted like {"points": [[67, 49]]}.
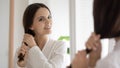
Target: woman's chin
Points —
{"points": [[49, 32]]}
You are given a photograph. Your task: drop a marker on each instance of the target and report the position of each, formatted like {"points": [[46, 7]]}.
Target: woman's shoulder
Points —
{"points": [[110, 61]]}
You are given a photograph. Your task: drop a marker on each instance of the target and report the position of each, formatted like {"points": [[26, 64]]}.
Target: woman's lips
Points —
{"points": [[49, 27]]}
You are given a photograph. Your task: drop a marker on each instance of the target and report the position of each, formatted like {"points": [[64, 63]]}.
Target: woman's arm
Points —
{"points": [[80, 60]]}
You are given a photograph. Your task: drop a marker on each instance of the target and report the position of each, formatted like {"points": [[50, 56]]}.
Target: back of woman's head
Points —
{"points": [[107, 18], [30, 13]]}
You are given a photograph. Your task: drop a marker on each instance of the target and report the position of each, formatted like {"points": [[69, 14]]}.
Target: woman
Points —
{"points": [[38, 50], [107, 25]]}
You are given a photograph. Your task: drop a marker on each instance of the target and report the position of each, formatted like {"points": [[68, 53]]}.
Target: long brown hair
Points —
{"points": [[106, 15]]}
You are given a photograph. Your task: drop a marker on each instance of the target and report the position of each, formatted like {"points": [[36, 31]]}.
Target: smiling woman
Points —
{"points": [[39, 50]]}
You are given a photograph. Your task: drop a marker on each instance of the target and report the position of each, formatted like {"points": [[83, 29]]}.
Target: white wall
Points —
{"points": [[4, 33], [46, 2], [84, 21], [60, 14]]}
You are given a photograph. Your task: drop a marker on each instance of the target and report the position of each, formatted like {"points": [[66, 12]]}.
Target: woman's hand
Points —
{"points": [[94, 44], [80, 60], [24, 51], [29, 40]]}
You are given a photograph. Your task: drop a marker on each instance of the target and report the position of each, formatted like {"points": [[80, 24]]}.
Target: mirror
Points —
{"points": [[60, 18]]}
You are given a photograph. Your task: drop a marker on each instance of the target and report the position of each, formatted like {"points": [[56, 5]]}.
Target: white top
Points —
{"points": [[51, 56], [112, 60]]}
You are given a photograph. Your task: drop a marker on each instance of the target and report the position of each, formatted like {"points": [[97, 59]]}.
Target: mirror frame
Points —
{"points": [[11, 34]]}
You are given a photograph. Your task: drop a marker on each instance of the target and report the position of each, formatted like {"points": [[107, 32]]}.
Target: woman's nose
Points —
{"points": [[47, 21]]}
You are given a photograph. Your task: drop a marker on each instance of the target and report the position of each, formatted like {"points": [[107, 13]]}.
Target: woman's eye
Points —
{"points": [[40, 19], [49, 17]]}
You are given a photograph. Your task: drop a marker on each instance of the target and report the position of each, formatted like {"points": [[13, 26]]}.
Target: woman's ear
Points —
{"points": [[31, 28]]}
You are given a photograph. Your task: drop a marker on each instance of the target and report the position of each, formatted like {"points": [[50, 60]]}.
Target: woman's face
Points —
{"points": [[42, 22]]}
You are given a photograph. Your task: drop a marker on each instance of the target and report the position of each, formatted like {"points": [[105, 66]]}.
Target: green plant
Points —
{"points": [[66, 38]]}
